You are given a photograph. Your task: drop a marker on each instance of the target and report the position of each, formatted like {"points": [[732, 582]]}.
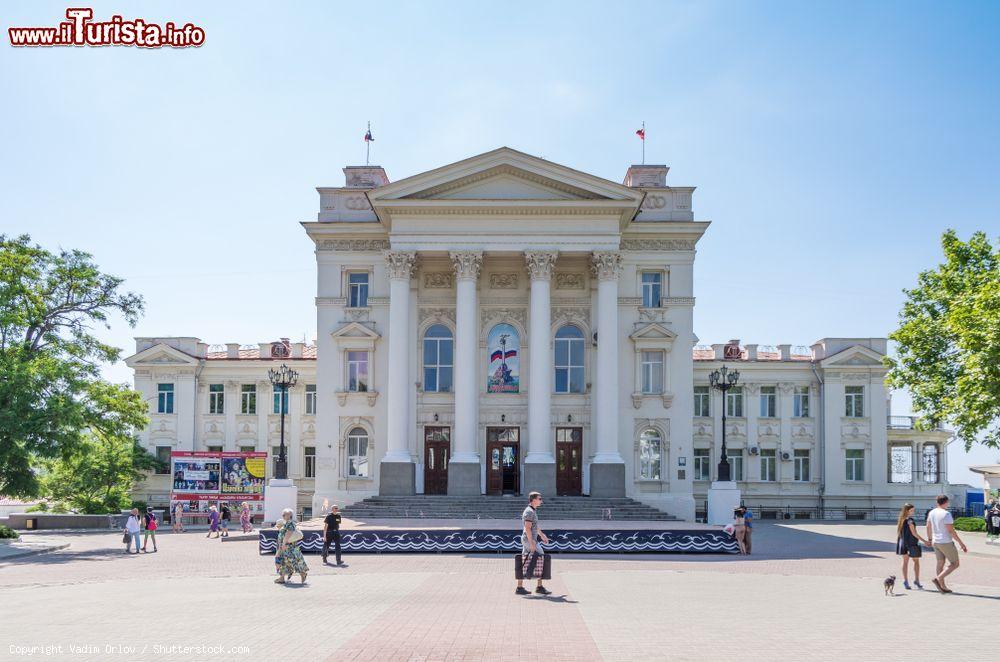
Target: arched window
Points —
{"points": [[357, 453], [439, 352], [650, 454], [569, 360]]}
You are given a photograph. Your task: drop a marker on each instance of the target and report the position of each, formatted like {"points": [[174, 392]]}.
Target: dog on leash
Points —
{"points": [[889, 585]]}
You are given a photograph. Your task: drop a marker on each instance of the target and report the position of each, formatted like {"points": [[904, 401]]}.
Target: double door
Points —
{"points": [[437, 452], [569, 461], [503, 460]]}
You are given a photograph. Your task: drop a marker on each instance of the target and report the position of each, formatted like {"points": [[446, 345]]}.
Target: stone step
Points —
{"points": [[441, 506]]}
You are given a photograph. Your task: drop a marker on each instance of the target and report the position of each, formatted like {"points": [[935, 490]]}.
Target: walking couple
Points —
{"points": [[941, 536]]}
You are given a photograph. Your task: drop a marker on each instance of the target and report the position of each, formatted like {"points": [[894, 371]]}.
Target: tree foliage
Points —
{"points": [[51, 393], [949, 341]]}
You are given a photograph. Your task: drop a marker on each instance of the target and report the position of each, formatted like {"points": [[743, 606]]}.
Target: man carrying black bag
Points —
{"points": [[532, 554], [331, 534]]}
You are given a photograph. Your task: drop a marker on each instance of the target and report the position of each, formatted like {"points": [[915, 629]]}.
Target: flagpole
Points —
{"points": [[643, 141], [368, 147]]}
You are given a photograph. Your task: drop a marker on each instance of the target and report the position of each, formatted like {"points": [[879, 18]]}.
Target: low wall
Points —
{"points": [[69, 521]]}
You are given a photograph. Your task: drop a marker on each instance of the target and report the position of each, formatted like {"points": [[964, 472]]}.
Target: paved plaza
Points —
{"points": [[810, 592]]}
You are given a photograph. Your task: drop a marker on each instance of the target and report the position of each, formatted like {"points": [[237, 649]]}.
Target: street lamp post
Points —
{"points": [[283, 378], [723, 380]]}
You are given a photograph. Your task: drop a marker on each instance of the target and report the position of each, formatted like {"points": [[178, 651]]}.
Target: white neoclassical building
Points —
{"points": [[505, 324]]}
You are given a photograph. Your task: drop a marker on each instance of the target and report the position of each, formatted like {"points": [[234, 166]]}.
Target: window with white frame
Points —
{"points": [[768, 401], [439, 359], [702, 401], [357, 371], [650, 454], [357, 453], [734, 402], [311, 399], [569, 360], [652, 289], [900, 463], [216, 399], [702, 464], [652, 371], [800, 462], [855, 464], [279, 399], [310, 461], [735, 457], [248, 399], [854, 401], [163, 459], [164, 398], [357, 286], [931, 454], [768, 464], [800, 402]]}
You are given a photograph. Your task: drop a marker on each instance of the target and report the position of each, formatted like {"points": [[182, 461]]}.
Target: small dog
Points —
{"points": [[889, 585]]}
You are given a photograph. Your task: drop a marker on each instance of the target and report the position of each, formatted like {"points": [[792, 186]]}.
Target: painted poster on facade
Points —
{"points": [[504, 347], [243, 473], [195, 472]]}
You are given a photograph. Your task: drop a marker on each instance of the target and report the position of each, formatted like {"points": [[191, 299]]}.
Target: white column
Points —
{"points": [[607, 266], [399, 266], [467, 266], [540, 369]]}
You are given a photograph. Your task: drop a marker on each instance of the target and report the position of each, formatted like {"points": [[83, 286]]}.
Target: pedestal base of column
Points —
{"points": [[607, 480], [280, 493], [540, 477], [397, 478], [723, 499], [464, 479]]}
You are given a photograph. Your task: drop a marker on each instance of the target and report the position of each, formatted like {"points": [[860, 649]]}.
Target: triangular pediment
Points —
{"points": [[505, 183], [355, 330], [858, 355], [160, 354], [653, 331]]}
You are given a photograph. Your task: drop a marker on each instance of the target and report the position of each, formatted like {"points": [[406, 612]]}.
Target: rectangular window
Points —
{"points": [[214, 449], [357, 371], [310, 398], [855, 469], [929, 462], [768, 464], [800, 459], [735, 457], [248, 399], [164, 398], [702, 401], [276, 396], [768, 401], [900, 464], [734, 402], [310, 463], [163, 459], [247, 449], [652, 372], [801, 402], [854, 401], [702, 464], [358, 290], [652, 287], [216, 399]]}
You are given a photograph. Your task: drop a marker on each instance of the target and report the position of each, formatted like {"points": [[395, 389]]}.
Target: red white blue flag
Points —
{"points": [[368, 136], [641, 133]]}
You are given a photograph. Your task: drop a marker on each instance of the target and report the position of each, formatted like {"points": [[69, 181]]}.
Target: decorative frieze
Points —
{"points": [[467, 264], [658, 244], [353, 245], [570, 281], [607, 265], [439, 280], [488, 317], [579, 315], [503, 281], [540, 264], [438, 315]]}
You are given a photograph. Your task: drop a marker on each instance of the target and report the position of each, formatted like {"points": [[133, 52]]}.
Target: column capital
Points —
{"points": [[400, 264], [541, 263], [607, 265], [467, 264]]}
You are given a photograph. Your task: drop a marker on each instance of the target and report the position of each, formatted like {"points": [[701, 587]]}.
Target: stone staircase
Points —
{"points": [[423, 506]]}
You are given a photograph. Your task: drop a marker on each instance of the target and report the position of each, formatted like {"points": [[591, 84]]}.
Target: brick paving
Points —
{"points": [[811, 592]]}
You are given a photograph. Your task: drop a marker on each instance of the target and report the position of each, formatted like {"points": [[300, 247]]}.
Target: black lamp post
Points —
{"points": [[283, 378], [723, 380]]}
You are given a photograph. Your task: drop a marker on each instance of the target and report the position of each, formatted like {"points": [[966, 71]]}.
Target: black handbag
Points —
{"points": [[519, 567], [126, 538]]}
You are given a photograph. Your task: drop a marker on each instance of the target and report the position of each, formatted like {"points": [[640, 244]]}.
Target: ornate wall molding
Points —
{"points": [[607, 265], [439, 280], [503, 281], [662, 425], [353, 245], [540, 263], [658, 244], [579, 315], [467, 264], [568, 280], [399, 264], [436, 314], [490, 316], [331, 301]]}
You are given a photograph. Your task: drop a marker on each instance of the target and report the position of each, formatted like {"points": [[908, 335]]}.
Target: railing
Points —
{"points": [[833, 514], [911, 423]]}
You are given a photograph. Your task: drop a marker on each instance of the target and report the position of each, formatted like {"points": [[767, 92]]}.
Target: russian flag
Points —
{"points": [[641, 133], [510, 353], [368, 136], [496, 356]]}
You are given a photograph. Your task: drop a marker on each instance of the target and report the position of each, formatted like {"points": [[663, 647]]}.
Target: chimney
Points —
{"points": [[365, 176], [297, 348], [719, 350], [751, 352], [646, 175], [232, 350], [786, 352]]}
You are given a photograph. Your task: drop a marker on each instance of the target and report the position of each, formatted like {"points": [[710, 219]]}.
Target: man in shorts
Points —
{"points": [[529, 540], [941, 533]]}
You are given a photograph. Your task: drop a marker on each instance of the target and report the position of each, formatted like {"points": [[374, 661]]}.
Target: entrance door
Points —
{"points": [[437, 452], [569, 461], [503, 460]]}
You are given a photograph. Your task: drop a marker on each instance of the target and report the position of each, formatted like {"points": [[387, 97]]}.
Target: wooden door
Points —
{"points": [[503, 455], [569, 461], [437, 452]]}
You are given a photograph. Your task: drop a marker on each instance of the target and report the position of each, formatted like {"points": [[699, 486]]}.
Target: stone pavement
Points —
{"points": [[811, 592], [28, 545]]}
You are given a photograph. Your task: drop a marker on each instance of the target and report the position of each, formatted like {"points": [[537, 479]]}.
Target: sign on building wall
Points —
{"points": [[504, 373]]}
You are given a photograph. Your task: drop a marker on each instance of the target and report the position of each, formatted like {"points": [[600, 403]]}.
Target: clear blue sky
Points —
{"points": [[831, 143]]}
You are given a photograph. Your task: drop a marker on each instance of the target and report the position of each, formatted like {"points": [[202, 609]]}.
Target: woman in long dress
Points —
{"points": [[245, 520], [288, 560]]}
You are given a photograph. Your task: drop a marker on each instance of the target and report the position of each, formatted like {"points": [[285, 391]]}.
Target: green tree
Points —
{"points": [[51, 392], [98, 475], [949, 341]]}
